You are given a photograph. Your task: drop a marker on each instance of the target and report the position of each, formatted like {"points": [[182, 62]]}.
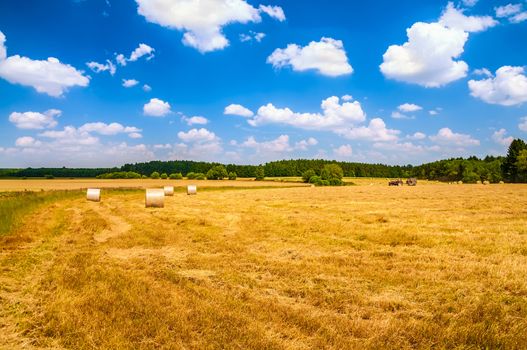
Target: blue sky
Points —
{"points": [[101, 83]]}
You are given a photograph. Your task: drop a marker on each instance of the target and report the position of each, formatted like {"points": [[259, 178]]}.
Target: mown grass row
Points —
{"points": [[14, 206]]}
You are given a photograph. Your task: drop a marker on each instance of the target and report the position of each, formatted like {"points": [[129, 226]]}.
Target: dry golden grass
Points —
{"points": [[76, 184], [359, 267]]}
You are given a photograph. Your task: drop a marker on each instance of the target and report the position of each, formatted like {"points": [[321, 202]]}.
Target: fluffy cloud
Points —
{"points": [[35, 120], [326, 56], [507, 88], [108, 129], [50, 76], [27, 141], [71, 136], [278, 145], [508, 10], [409, 107], [197, 135], [235, 109], [343, 151], [275, 12], [127, 83], [428, 57], [147, 88], [201, 21], [399, 115], [500, 138], [303, 145], [454, 18], [448, 137], [252, 36], [156, 108], [523, 124], [520, 17], [469, 3], [141, 51], [100, 67], [334, 115], [196, 120], [376, 130], [417, 136]]}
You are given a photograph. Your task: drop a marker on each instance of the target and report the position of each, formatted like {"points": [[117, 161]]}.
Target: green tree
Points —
{"points": [[154, 175], [308, 174], [232, 175], [217, 172], [521, 166], [164, 176], [510, 166], [191, 175], [331, 171], [175, 176], [260, 173]]}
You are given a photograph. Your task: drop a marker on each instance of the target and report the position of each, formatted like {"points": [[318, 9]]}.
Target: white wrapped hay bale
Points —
{"points": [[169, 190], [192, 189], [486, 182], [155, 198], [93, 194]]}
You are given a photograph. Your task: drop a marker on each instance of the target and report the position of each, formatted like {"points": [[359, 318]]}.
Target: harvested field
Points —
{"points": [[356, 267], [76, 184]]}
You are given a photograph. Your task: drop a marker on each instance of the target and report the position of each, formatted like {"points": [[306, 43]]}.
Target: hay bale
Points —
{"points": [[93, 194], [192, 189], [169, 190], [155, 198], [478, 182], [486, 182], [501, 182], [460, 182]]}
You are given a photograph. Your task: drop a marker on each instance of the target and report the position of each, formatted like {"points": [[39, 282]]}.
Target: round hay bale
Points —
{"points": [[478, 182], [486, 182], [460, 182], [192, 189], [155, 198], [93, 194], [501, 182], [169, 190]]}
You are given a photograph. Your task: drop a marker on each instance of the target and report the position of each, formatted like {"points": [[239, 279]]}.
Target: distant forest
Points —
{"points": [[511, 168]]}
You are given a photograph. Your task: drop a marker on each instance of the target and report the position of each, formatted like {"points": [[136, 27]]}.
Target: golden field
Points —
{"points": [[356, 267]]}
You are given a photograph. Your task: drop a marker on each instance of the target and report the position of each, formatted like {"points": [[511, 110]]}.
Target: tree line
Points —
{"points": [[511, 168]]}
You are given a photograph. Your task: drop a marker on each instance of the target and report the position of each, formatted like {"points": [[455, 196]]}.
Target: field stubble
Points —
{"points": [[286, 268]]}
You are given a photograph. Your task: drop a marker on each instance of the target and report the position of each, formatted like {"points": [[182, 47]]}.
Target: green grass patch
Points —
{"points": [[14, 206]]}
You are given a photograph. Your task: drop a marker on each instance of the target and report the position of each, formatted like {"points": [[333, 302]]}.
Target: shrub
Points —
{"points": [[335, 182], [154, 175], [200, 176], [144, 177], [232, 175], [308, 174], [331, 171], [175, 176], [191, 176], [164, 176], [217, 172], [260, 173], [324, 183], [315, 179]]}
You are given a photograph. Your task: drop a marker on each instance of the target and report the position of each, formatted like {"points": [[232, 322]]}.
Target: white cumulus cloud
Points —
{"points": [[202, 21], [303, 145], [500, 137], [275, 12], [507, 88], [278, 145], [108, 129], [508, 10], [27, 141], [196, 120], [127, 83], [326, 56], [456, 19], [409, 107], [376, 130], [343, 151], [197, 135], [334, 115], [46, 76], [448, 137], [236, 109], [523, 124], [102, 67], [156, 108], [35, 120]]}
